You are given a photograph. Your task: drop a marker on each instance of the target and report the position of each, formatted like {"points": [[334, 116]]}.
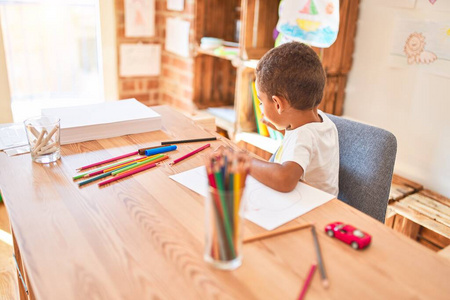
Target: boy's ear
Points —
{"points": [[280, 103]]}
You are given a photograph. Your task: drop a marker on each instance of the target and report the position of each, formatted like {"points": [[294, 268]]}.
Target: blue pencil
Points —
{"points": [[150, 152]]}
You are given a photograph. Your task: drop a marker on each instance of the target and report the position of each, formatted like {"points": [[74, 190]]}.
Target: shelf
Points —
{"points": [[251, 63], [225, 118], [213, 52], [264, 143]]}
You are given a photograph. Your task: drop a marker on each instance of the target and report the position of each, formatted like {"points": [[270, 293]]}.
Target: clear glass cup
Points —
{"points": [[224, 212], [43, 137]]}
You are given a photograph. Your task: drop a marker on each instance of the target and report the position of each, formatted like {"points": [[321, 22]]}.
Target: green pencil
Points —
{"points": [[226, 216], [97, 177], [115, 172], [94, 178], [102, 168]]}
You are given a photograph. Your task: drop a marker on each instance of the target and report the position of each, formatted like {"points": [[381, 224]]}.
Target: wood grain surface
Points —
{"points": [[142, 237]]}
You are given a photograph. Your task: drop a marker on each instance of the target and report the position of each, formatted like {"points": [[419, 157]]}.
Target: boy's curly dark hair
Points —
{"points": [[292, 71]]}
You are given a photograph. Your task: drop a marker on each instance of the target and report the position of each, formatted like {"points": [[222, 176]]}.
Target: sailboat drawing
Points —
{"points": [[315, 22], [310, 10]]}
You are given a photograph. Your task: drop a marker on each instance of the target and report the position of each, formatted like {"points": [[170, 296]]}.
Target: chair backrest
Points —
{"points": [[366, 164]]}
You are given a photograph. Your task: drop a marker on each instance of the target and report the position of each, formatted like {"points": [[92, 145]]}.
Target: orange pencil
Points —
{"points": [[153, 161], [128, 163]]}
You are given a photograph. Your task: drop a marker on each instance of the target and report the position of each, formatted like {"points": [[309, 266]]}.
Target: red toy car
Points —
{"points": [[348, 234]]}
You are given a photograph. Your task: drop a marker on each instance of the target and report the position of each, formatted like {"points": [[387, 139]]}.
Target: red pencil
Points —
{"points": [[129, 173], [107, 161], [189, 154], [307, 281]]}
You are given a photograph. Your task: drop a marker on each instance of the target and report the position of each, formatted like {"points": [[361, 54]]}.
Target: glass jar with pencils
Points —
{"points": [[224, 211], [43, 138]]}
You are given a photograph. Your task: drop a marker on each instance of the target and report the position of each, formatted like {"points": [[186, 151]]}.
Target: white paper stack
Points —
{"points": [[104, 120]]}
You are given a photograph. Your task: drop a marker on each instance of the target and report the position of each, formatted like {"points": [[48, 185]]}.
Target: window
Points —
{"points": [[53, 54]]}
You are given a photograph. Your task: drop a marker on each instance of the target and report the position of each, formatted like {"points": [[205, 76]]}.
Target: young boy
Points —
{"points": [[289, 84]]}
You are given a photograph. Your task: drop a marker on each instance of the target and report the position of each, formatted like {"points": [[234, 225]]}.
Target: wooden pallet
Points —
{"points": [[424, 216], [402, 187]]}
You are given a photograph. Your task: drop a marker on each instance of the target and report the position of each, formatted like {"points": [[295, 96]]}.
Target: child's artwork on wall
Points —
{"points": [[177, 36], [415, 50], [434, 5], [140, 60], [314, 22], [177, 5], [139, 18], [422, 43]]}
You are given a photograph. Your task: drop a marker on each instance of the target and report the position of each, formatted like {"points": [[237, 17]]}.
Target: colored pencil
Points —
{"points": [[275, 233], [144, 163], [100, 170], [226, 172], [160, 150], [225, 213], [189, 141], [190, 154], [107, 160], [323, 274], [218, 218], [103, 175], [142, 150], [126, 168], [307, 281], [237, 193], [126, 174], [127, 163]]}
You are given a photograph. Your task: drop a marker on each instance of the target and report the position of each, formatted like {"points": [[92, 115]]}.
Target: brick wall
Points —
{"points": [[175, 84]]}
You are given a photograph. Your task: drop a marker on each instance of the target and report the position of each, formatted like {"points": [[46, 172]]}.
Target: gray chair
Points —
{"points": [[367, 157]]}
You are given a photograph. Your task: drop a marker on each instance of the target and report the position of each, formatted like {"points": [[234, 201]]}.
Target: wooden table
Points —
{"points": [[142, 237]]}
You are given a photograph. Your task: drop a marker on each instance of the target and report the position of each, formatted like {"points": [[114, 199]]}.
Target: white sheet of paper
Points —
{"points": [[12, 135], [140, 60], [17, 150], [177, 5], [177, 36], [265, 206], [139, 18]]}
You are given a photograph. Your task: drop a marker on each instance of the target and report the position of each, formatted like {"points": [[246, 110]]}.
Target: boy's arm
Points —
{"points": [[281, 177]]}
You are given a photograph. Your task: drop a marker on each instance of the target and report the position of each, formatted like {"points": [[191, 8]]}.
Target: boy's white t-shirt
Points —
{"points": [[315, 147]]}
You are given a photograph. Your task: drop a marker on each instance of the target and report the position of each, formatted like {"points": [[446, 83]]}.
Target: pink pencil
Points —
{"points": [[189, 154], [129, 173], [103, 170], [307, 281], [108, 160]]}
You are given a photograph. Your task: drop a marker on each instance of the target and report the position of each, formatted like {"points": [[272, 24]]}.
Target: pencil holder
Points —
{"points": [[224, 222], [43, 138]]}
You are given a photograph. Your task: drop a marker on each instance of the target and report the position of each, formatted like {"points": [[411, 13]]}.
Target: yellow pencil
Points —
{"points": [[128, 169], [128, 163], [237, 202]]}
